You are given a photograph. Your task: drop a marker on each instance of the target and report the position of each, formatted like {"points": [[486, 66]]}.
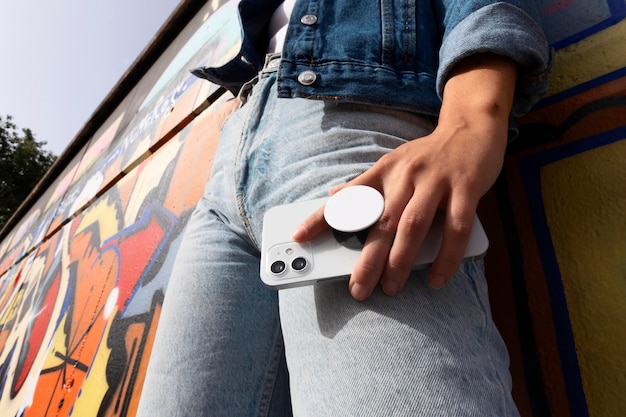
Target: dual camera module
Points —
{"points": [[289, 258], [298, 264]]}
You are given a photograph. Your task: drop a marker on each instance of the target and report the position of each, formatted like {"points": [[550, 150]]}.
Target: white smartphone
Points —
{"points": [[332, 255]]}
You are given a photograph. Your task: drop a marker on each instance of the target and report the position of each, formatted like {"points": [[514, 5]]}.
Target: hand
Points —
{"points": [[448, 170]]}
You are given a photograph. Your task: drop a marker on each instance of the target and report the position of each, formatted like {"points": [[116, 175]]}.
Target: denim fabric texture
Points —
{"points": [[359, 51], [224, 341]]}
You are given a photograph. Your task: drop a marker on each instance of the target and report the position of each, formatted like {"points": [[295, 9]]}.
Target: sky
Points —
{"points": [[60, 59]]}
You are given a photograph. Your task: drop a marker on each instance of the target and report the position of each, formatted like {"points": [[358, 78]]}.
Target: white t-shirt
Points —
{"points": [[278, 26]]}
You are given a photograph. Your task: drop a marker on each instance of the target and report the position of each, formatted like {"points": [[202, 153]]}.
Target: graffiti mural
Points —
{"points": [[565, 186], [79, 314], [84, 273]]}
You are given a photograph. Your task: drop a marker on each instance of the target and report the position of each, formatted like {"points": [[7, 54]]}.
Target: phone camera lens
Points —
{"points": [[277, 267], [299, 264]]}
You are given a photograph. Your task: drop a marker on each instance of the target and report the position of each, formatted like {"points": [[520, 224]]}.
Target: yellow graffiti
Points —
{"points": [[589, 59], [95, 386], [22, 350], [12, 309], [103, 213], [585, 211], [57, 344]]}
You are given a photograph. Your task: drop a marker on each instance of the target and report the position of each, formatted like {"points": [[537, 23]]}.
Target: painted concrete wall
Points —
{"points": [[83, 274], [565, 183]]}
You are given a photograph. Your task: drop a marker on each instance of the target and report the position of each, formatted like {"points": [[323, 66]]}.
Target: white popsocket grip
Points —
{"points": [[354, 208]]}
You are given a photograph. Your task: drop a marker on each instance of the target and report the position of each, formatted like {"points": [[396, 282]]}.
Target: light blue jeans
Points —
{"points": [[224, 341]]}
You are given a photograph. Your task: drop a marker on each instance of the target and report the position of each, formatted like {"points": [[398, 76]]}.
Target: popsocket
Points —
{"points": [[354, 208]]}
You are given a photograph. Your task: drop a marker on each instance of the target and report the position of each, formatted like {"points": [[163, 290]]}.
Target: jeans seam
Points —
{"points": [[269, 384], [251, 99], [494, 369], [240, 196], [470, 275], [487, 331]]}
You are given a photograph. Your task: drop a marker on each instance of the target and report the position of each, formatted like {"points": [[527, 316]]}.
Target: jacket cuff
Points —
{"points": [[505, 30]]}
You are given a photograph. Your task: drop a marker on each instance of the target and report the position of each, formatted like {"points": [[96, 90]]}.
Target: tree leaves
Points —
{"points": [[23, 162]]}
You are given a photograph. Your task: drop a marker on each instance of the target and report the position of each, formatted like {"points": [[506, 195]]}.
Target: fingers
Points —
{"points": [[456, 234], [373, 259], [395, 241], [390, 249], [315, 224], [414, 224], [311, 227]]}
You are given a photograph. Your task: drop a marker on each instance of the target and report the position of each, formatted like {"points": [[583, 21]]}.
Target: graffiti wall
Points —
{"points": [[83, 274], [563, 197]]}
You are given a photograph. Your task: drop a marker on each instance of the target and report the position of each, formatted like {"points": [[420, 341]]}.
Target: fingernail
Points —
{"points": [[359, 292], [298, 233], [438, 281], [391, 288]]}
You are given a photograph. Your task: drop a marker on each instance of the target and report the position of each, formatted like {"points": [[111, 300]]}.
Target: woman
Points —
{"points": [[346, 89]]}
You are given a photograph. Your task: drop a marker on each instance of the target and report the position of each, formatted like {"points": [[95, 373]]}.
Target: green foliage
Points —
{"points": [[22, 164]]}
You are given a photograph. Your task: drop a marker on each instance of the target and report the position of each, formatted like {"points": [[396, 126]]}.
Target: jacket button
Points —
{"points": [[308, 19], [307, 77]]}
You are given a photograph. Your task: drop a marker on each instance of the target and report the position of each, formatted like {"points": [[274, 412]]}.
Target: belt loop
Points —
{"points": [[272, 61], [245, 90]]}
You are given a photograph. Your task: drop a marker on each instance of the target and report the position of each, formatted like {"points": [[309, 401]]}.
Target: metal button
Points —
{"points": [[307, 77], [308, 19]]}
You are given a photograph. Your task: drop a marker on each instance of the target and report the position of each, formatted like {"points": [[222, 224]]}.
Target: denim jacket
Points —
{"points": [[388, 52]]}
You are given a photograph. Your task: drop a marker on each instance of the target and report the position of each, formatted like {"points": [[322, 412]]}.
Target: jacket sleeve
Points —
{"points": [[508, 28], [247, 21]]}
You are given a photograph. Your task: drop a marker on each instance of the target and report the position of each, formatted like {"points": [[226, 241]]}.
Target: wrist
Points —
{"points": [[480, 90]]}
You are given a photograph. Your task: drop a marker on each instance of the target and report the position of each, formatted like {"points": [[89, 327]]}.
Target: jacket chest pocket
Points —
{"points": [[399, 33]]}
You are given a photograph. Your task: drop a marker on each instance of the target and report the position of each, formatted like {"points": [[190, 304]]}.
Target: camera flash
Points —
{"points": [[288, 251]]}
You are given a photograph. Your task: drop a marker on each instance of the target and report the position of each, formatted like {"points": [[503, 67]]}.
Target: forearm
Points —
{"points": [[480, 90]]}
